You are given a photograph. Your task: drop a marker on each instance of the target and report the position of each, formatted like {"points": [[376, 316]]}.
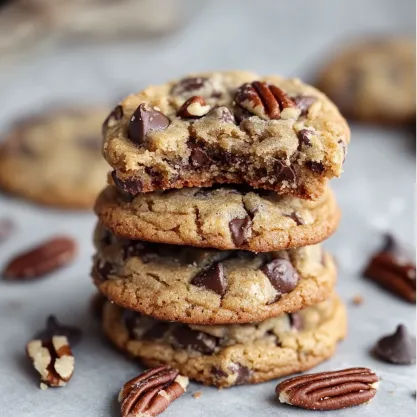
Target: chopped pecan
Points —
{"points": [[329, 390], [39, 261], [53, 359], [266, 101], [194, 107], [151, 392]]}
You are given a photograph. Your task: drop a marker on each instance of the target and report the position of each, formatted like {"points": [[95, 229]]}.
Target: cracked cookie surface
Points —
{"points": [[222, 217], [231, 354], [374, 80], [227, 127], [54, 158], [206, 286]]}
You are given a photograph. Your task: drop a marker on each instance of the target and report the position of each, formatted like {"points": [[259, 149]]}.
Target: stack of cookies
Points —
{"points": [[208, 242]]}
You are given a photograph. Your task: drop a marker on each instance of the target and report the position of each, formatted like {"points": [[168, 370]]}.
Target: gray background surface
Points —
{"points": [[375, 193]]}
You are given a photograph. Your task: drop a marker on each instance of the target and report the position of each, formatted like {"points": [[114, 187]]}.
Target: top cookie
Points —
{"points": [[374, 80], [227, 127], [54, 158]]}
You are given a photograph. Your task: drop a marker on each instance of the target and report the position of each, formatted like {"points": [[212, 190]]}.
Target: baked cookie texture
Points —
{"points": [[231, 354], [227, 127], [54, 158], [374, 80], [220, 217], [206, 286]]}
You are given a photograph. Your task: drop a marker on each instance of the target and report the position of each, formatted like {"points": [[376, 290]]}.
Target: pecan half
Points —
{"points": [[41, 260], [195, 107], [151, 392], [266, 101], [329, 390], [53, 359]]}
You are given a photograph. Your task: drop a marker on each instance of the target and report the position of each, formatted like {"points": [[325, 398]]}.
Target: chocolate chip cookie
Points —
{"points": [[227, 127], [220, 217], [207, 286], [374, 80], [54, 158], [231, 354]]}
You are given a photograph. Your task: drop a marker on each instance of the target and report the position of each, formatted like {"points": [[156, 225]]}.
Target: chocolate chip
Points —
{"points": [[115, 115], [187, 338], [296, 217], [145, 120], [304, 103], [285, 172], [296, 321], [198, 156], [394, 268], [157, 332], [131, 320], [241, 114], [282, 275], [132, 187], [398, 348], [223, 114], [239, 229], [218, 373], [243, 373], [213, 279], [304, 137], [104, 269], [190, 85], [55, 328], [316, 167]]}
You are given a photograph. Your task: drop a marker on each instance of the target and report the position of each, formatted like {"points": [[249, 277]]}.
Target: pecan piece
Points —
{"points": [[329, 390], [53, 359], [150, 393], [41, 260], [266, 101], [195, 107]]}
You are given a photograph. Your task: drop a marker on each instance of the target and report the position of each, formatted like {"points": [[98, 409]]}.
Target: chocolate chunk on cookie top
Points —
{"points": [[227, 127], [207, 286]]}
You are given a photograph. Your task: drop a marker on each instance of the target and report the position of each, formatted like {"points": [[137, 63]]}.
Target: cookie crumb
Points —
{"points": [[197, 394], [357, 300], [43, 386]]}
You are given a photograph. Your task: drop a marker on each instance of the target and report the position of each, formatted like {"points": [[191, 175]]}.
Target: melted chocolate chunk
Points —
{"points": [[198, 156], [131, 320], [303, 103], [239, 229], [145, 120], [285, 172], [218, 373], [316, 167], [187, 338], [398, 348], [304, 137], [190, 85], [213, 279], [223, 114], [157, 332], [104, 269], [282, 275], [132, 187], [243, 373], [55, 328], [296, 321]]}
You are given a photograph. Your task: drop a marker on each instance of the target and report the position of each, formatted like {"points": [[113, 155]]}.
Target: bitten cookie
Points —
{"points": [[231, 354], [223, 217], [374, 80], [206, 286], [227, 127], [54, 158]]}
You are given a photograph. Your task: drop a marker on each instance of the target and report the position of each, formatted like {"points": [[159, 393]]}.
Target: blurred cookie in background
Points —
{"points": [[54, 158], [374, 80]]}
